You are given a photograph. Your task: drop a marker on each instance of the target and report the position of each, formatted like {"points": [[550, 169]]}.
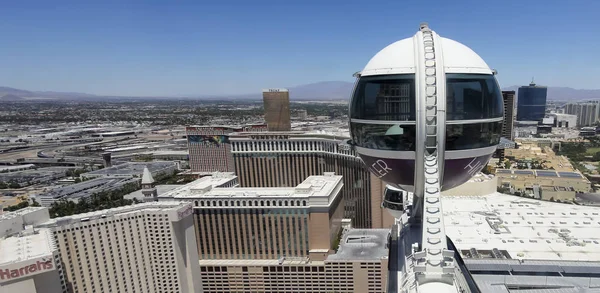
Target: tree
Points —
{"points": [[596, 156], [34, 203], [507, 164]]}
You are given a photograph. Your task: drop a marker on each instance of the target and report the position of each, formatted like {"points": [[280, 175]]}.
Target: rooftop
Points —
{"points": [[27, 245], [332, 133], [160, 189], [87, 188], [200, 185], [542, 173], [545, 276], [524, 228], [362, 244], [150, 206], [19, 213], [313, 186], [16, 167], [132, 168]]}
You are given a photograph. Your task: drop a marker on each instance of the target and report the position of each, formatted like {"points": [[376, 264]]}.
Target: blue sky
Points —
{"points": [[158, 48]]}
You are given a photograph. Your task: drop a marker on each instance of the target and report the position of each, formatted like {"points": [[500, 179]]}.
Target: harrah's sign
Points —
{"points": [[44, 264]]}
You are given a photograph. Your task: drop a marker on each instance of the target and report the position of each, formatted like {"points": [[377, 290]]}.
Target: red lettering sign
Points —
{"points": [[44, 264]]}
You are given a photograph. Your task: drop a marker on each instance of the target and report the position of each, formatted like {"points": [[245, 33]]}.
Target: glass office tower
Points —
{"points": [[531, 102]]}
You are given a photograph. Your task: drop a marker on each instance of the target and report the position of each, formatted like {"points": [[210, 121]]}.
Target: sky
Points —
{"points": [[187, 48]]}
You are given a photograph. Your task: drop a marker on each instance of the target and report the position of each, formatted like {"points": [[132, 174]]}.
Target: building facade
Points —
{"points": [[277, 109], [562, 120], [285, 159], [587, 113], [359, 266], [149, 247], [509, 115], [531, 102], [209, 147], [265, 223]]}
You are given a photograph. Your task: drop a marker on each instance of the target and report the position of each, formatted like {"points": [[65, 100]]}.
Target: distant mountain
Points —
{"points": [[63, 94], [41, 94], [17, 92], [326, 90], [564, 93], [10, 97]]}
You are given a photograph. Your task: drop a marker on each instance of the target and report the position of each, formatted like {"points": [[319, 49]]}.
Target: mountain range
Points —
{"points": [[326, 90]]}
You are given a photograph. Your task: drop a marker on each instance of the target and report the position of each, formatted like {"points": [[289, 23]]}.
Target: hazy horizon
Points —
{"points": [[236, 47]]}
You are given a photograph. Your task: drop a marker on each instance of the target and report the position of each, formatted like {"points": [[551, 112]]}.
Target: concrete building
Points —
{"points": [[521, 229], [285, 159], [564, 120], [149, 247], [277, 109], [29, 258], [85, 189], [509, 115], [359, 266], [302, 114], [544, 184], [281, 239], [587, 113], [193, 189], [209, 147], [134, 169], [265, 223]]}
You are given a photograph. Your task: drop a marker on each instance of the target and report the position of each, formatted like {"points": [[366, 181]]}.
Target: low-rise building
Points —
{"points": [[134, 169], [29, 258], [500, 226], [557, 184], [85, 189]]}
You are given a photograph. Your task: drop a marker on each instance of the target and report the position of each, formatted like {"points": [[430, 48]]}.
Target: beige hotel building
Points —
{"points": [[282, 239], [143, 248], [209, 148], [285, 159]]}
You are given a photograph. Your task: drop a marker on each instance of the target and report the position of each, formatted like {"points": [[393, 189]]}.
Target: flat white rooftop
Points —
{"points": [[17, 167], [150, 206], [525, 228], [19, 213], [200, 185], [312, 186], [21, 248]]}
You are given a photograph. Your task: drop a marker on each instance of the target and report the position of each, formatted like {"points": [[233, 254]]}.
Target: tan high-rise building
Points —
{"points": [[359, 266], [149, 247], [277, 109], [209, 148], [509, 115], [265, 223], [285, 159], [282, 239]]}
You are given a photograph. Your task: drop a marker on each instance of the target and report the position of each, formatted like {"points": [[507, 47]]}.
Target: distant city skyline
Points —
{"points": [[193, 48]]}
